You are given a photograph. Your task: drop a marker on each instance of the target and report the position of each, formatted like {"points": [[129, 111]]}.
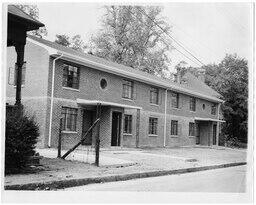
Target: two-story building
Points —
{"points": [[138, 109]]}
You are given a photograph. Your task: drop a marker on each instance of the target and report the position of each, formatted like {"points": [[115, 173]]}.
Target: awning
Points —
{"points": [[104, 103], [208, 119]]}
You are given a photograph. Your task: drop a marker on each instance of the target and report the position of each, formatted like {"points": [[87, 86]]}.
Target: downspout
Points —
{"points": [[52, 91], [165, 117]]}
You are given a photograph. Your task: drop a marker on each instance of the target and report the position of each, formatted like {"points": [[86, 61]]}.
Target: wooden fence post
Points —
{"points": [[59, 140], [97, 141]]}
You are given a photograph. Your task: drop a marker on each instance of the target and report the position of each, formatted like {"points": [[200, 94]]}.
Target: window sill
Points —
{"points": [[192, 111], [152, 135], [192, 136], [128, 99], [176, 108], [154, 104], [68, 132], [127, 134], [174, 136], [73, 89]]}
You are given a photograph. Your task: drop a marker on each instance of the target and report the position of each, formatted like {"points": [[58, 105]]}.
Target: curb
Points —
{"points": [[60, 184]]}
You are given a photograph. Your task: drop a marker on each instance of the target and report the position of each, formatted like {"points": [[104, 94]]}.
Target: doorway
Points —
{"points": [[214, 134], [116, 128], [88, 119]]}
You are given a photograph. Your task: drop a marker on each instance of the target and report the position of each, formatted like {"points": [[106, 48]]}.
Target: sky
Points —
{"points": [[208, 30]]}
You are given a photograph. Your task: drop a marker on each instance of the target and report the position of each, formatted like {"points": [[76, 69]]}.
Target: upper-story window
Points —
{"points": [[127, 89], [192, 104], [175, 100], [71, 76], [214, 109], [154, 94]]}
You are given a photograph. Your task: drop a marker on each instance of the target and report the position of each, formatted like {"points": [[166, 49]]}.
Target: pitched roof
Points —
{"points": [[20, 14], [194, 86]]}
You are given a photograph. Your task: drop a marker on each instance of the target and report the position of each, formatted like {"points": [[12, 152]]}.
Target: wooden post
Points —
{"points": [[20, 60], [97, 141], [59, 140]]}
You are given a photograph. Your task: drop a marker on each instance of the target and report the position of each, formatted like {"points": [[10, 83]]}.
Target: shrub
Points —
{"points": [[20, 139]]}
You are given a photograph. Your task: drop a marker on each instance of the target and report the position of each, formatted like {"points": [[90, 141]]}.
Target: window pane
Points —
{"points": [[174, 127], [175, 100], [70, 76], [69, 116], [127, 89], [153, 126]]}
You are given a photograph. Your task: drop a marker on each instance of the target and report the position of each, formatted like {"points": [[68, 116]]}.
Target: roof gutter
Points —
{"points": [[127, 74], [52, 91]]}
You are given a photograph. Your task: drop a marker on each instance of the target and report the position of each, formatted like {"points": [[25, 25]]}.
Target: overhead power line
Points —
{"points": [[167, 43], [142, 12]]}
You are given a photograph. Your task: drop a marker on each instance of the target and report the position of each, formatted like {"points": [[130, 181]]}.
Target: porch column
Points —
{"points": [[19, 47], [137, 127]]}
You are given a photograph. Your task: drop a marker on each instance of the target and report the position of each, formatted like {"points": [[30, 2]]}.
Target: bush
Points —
{"points": [[20, 140]]}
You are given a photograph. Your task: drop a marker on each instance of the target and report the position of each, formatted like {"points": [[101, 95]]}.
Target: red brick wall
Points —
{"points": [[38, 83]]}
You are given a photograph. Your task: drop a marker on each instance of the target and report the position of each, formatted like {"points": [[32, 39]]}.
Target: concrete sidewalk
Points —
{"points": [[58, 173]]}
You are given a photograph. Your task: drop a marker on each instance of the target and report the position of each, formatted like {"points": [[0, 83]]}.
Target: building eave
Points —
{"points": [[110, 69], [126, 74]]}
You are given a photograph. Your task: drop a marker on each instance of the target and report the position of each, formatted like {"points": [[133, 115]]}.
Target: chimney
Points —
{"points": [[201, 74], [178, 76]]}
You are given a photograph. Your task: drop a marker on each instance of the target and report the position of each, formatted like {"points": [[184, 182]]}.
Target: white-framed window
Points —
{"points": [[191, 129], [71, 75], [128, 124], [175, 99], [174, 127], [192, 104], [152, 128], [154, 95], [69, 118], [214, 109], [127, 89]]}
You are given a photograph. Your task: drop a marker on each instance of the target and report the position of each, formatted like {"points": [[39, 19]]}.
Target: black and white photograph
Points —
{"points": [[127, 102]]}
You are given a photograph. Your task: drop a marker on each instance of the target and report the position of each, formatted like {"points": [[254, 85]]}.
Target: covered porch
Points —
{"points": [[207, 131], [111, 122]]}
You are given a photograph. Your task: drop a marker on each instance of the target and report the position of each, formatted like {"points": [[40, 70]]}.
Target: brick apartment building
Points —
{"points": [[138, 109]]}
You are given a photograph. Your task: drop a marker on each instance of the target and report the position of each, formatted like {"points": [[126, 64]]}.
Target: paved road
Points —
{"points": [[220, 180]]}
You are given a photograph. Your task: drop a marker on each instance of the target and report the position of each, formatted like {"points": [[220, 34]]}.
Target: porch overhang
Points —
{"points": [[207, 119], [104, 103]]}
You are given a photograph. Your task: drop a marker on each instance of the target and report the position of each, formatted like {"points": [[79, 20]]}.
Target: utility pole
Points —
{"points": [[97, 140]]}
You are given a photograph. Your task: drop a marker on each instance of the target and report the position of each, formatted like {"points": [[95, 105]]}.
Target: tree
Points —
{"points": [[130, 38], [33, 11], [230, 79], [75, 42]]}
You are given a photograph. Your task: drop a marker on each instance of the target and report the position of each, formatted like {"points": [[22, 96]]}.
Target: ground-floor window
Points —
{"points": [[174, 127], [69, 118], [128, 124], [191, 129], [152, 126]]}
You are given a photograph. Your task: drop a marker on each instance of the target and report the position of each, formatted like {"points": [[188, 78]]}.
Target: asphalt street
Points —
{"points": [[219, 180]]}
